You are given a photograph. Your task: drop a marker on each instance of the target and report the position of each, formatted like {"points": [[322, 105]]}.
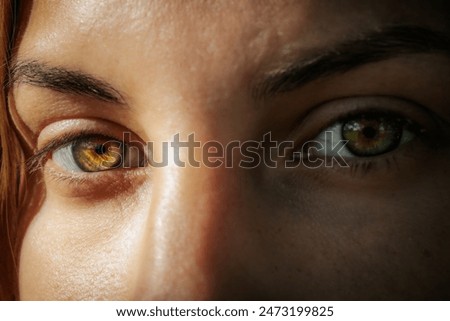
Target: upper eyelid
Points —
{"points": [[370, 112], [387, 104]]}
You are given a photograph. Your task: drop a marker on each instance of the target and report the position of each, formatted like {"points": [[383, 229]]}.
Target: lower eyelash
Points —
{"points": [[363, 167], [73, 180], [96, 185]]}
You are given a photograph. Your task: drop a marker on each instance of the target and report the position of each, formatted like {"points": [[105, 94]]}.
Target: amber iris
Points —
{"points": [[97, 154], [371, 135]]}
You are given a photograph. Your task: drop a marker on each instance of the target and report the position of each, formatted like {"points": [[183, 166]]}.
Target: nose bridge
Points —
{"points": [[194, 210], [184, 224]]}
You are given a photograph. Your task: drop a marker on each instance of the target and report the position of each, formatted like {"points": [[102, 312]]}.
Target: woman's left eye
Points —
{"points": [[366, 135], [95, 154]]}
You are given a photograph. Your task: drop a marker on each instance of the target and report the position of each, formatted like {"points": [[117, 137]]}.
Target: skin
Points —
{"points": [[229, 233]]}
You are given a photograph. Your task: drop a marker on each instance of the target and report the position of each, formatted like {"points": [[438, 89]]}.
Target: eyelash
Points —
{"points": [[37, 161], [364, 165], [358, 164], [82, 185]]}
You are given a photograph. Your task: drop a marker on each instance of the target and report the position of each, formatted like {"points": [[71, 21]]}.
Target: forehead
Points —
{"points": [[210, 25], [151, 25], [195, 37]]}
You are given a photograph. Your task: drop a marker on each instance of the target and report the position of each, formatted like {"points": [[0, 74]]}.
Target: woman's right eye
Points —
{"points": [[96, 154]]}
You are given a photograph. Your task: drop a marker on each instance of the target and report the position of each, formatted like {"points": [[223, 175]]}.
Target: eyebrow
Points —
{"points": [[63, 80], [371, 47]]}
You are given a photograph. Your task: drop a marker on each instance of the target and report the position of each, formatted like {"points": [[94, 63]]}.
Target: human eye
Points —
{"points": [[88, 157], [368, 135], [372, 133], [89, 153], [83, 153], [96, 153]]}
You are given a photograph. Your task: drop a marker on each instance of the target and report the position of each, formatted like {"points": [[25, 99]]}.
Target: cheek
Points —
{"points": [[80, 253]]}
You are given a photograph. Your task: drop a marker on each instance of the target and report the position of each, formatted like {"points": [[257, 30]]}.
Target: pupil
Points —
{"points": [[100, 149], [369, 132]]}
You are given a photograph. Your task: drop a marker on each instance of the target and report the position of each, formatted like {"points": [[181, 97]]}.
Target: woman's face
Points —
{"points": [[102, 87]]}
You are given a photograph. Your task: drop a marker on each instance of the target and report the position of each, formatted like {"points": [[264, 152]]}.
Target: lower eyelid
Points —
{"points": [[102, 184], [413, 153]]}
